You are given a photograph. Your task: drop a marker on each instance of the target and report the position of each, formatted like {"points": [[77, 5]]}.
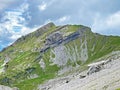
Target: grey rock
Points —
{"points": [[44, 29], [53, 38], [15, 88], [94, 69], [7, 88], [82, 76], [67, 81]]}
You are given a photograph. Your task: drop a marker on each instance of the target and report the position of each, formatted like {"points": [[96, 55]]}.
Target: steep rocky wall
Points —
{"points": [[75, 52], [70, 51]]}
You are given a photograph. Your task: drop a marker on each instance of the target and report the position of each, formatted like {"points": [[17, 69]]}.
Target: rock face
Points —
{"points": [[54, 38], [94, 69], [5, 64], [63, 53], [42, 64], [7, 88]]}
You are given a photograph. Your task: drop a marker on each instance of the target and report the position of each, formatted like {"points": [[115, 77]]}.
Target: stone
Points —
{"points": [[67, 81], [15, 88], [82, 76], [94, 69]]}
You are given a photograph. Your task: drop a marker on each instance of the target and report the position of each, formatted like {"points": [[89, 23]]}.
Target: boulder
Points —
{"points": [[93, 69], [82, 76]]}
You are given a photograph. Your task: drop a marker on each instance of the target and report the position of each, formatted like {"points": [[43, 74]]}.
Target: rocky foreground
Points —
{"points": [[108, 78]]}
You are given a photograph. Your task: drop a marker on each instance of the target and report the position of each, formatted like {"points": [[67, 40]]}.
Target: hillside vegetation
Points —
{"points": [[51, 51]]}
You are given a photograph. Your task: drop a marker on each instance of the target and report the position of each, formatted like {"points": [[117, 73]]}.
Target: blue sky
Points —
{"points": [[20, 17]]}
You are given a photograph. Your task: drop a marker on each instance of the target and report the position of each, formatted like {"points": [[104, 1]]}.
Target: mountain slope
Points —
{"points": [[51, 51], [106, 79]]}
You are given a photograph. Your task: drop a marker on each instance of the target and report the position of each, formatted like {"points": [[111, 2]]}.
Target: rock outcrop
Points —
{"points": [[54, 38], [96, 67], [7, 88]]}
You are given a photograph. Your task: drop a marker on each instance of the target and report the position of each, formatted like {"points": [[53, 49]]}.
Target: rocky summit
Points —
{"points": [[67, 57]]}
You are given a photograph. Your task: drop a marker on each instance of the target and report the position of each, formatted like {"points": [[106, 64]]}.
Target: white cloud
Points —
{"points": [[60, 21], [14, 37], [101, 24], [63, 20], [43, 6], [13, 25], [114, 20], [46, 4], [24, 31]]}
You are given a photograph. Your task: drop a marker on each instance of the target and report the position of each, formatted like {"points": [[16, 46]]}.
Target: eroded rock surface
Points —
{"points": [[107, 77], [7, 88]]}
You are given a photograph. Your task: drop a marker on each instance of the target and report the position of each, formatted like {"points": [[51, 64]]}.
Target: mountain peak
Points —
{"points": [[48, 25], [51, 51]]}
